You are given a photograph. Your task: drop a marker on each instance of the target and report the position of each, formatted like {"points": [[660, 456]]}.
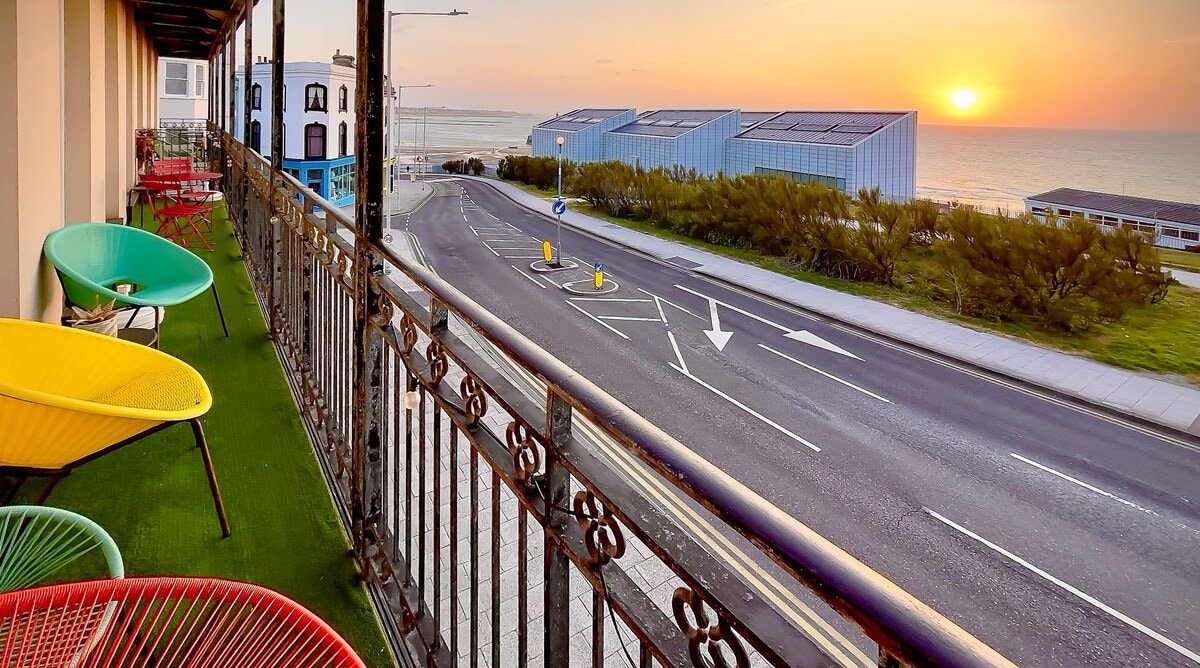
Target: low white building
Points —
{"points": [[1170, 224], [182, 91], [318, 122]]}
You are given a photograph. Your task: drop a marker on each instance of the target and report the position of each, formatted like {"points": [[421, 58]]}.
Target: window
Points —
{"points": [[343, 99], [341, 181], [315, 97], [201, 80], [256, 97], [1188, 235], [256, 136], [1170, 232], [176, 78], [314, 141], [343, 140]]}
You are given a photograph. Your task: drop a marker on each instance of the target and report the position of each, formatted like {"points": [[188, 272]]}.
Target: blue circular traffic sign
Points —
{"points": [[560, 207]]}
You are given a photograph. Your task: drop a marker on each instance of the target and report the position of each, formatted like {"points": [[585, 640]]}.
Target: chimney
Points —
{"points": [[343, 60]]}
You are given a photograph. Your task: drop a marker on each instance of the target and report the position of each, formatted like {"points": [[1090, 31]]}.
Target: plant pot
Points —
{"points": [[107, 327]]}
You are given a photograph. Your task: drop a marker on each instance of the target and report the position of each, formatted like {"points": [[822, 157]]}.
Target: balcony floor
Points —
{"points": [[153, 496]]}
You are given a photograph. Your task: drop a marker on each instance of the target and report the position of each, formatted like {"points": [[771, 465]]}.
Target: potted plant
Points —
{"points": [[145, 149], [102, 319]]}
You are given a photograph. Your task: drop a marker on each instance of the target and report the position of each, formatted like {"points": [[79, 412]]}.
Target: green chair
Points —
{"points": [[36, 541], [92, 259]]}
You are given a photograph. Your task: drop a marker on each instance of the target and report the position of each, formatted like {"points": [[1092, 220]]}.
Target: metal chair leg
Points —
{"points": [[50, 484], [198, 432], [219, 311]]}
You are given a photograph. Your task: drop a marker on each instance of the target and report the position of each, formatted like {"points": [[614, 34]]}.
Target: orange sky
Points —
{"points": [[1048, 63]]}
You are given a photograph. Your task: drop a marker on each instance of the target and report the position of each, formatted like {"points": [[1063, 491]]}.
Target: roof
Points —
{"points": [[580, 119], [188, 28], [751, 118], [670, 122], [835, 128], [1176, 212]]}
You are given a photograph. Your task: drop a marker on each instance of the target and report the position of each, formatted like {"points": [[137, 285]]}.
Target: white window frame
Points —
{"points": [[167, 79]]}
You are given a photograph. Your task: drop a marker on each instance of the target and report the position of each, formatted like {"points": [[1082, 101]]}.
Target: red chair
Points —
{"points": [[173, 213], [171, 166], [165, 623]]}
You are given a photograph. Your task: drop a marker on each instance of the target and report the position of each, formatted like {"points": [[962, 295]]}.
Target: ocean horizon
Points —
{"points": [[985, 166]]}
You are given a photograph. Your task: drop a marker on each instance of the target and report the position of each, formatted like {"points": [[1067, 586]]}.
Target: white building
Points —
{"points": [[182, 91], [1169, 224], [318, 122]]}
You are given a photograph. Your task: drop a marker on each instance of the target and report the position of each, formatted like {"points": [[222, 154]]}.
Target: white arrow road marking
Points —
{"points": [[778, 427], [1086, 598], [805, 336], [827, 375], [718, 337]]}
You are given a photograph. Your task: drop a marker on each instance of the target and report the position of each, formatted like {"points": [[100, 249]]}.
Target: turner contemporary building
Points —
{"points": [[842, 149]]}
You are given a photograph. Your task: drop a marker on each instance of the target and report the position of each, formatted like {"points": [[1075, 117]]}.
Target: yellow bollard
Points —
{"points": [[546, 250], [598, 275]]}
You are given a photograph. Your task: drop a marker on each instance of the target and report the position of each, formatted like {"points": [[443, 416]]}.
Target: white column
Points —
{"points": [[31, 139]]}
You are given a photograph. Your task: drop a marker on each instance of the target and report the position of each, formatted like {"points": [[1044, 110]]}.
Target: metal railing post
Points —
{"points": [[367, 433], [557, 566]]}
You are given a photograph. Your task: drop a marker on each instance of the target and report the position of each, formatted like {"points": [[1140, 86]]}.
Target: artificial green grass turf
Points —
{"points": [[153, 497]]}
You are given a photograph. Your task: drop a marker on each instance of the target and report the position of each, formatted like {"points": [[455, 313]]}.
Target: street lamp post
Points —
{"points": [[388, 112], [558, 232]]}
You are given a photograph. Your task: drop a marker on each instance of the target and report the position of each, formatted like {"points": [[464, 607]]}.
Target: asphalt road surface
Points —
{"points": [[1058, 536]]}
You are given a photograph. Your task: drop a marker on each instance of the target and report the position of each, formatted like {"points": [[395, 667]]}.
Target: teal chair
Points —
{"points": [[92, 259], [36, 541]]}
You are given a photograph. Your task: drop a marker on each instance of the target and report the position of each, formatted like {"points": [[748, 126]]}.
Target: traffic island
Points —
{"points": [[544, 267], [588, 287]]}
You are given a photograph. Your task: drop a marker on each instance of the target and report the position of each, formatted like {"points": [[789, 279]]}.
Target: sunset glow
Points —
{"points": [[963, 98]]}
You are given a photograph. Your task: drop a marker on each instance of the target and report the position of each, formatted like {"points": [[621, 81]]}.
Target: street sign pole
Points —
{"points": [[559, 205]]}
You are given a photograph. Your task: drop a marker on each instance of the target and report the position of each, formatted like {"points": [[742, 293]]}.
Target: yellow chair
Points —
{"points": [[68, 396]]}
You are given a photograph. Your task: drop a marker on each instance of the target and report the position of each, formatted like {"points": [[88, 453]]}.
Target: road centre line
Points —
{"points": [[532, 279], [662, 316], [473, 231], [489, 248], [778, 427], [1093, 488], [614, 329], [678, 355], [667, 301], [823, 373], [510, 225], [627, 318], [1087, 598]]}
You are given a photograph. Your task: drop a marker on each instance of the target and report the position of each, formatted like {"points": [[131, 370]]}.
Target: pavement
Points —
{"points": [[1188, 278], [1144, 396]]}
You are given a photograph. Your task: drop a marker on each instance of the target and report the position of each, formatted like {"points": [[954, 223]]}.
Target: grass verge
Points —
{"points": [[1160, 338], [1181, 259]]}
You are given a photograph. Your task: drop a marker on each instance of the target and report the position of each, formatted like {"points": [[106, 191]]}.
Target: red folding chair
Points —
{"points": [[165, 623], [171, 166], [178, 219]]}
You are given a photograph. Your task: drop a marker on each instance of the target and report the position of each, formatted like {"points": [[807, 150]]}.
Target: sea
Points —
{"points": [[989, 167]]}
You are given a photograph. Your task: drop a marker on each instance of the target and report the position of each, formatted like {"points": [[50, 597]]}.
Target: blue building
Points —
{"points": [[582, 131], [843, 149], [665, 138]]}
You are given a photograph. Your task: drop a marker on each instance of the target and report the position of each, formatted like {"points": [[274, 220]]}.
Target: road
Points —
{"points": [[1059, 536]]}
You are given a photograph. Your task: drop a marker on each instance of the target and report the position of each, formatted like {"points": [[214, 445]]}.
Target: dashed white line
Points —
{"points": [[778, 427], [1093, 488], [474, 231], [489, 248], [614, 329], [1087, 598], [627, 318], [510, 225], [523, 257], [531, 279], [667, 301], [823, 373]]}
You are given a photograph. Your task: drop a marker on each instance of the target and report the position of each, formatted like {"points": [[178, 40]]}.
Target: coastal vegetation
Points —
{"points": [[469, 166], [1066, 283]]}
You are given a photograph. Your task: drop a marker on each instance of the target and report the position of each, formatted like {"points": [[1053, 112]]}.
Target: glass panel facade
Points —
{"points": [[803, 177], [341, 181]]}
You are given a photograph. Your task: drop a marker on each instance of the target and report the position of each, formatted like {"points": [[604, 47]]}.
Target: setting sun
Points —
{"points": [[963, 98]]}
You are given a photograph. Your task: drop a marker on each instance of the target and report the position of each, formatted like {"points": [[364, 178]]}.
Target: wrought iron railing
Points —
{"points": [[179, 139], [528, 530]]}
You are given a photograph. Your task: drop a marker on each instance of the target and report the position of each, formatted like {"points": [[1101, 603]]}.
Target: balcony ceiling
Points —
{"points": [[188, 28]]}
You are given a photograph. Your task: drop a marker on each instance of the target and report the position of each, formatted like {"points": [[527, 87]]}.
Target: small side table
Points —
{"points": [[135, 196]]}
